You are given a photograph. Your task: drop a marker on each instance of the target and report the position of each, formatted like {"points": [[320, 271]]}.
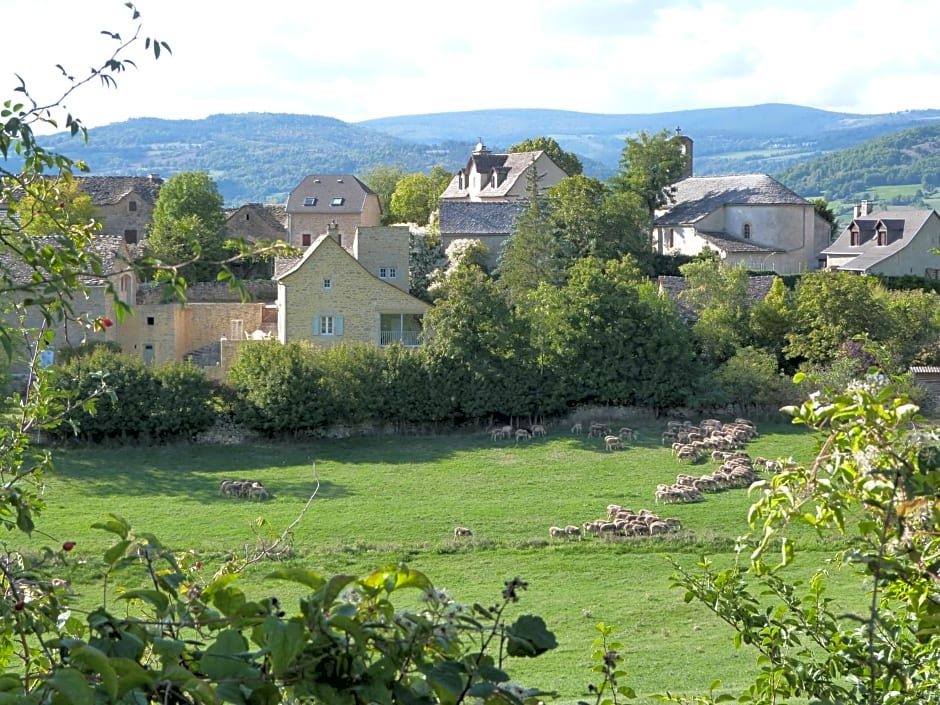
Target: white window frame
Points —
{"points": [[310, 201], [338, 201], [327, 325], [388, 273]]}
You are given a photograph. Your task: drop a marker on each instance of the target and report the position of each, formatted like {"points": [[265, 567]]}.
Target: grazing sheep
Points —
{"points": [[598, 429], [462, 532], [497, 434], [538, 430], [627, 434], [523, 434], [556, 532], [576, 429], [572, 531], [612, 442]]}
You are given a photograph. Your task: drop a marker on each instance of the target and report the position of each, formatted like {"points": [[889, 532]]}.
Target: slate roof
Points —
{"points": [[511, 167], [324, 188], [107, 247], [274, 215], [726, 243], [698, 196], [108, 190], [478, 217], [901, 225]]}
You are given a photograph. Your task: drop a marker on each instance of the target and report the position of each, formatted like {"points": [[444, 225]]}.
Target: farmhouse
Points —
{"points": [[486, 196], [320, 201], [124, 203], [891, 243]]}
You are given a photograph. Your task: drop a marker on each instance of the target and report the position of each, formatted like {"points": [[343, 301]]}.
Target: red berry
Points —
{"points": [[199, 564], [68, 545], [107, 322], [19, 606]]}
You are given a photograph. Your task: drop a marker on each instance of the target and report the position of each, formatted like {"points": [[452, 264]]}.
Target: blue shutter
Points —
{"points": [[316, 324], [337, 325]]}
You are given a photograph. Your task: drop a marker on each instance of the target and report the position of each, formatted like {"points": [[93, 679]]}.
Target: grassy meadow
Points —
{"points": [[391, 499]]}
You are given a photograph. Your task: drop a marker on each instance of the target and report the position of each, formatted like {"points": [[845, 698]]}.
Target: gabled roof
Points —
{"points": [[478, 217], [273, 214], [510, 167], [318, 191], [901, 225], [108, 190], [699, 196], [726, 243]]}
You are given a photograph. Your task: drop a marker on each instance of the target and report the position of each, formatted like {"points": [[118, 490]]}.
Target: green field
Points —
{"points": [[397, 499]]}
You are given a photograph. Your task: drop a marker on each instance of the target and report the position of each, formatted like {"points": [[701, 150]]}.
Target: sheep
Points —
{"points": [[257, 491], [612, 442], [523, 434], [572, 531], [598, 429], [462, 532], [627, 434], [556, 532], [576, 429], [538, 430], [497, 434]]}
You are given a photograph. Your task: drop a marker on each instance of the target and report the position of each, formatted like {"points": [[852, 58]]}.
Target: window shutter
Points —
{"points": [[316, 324], [337, 325]]}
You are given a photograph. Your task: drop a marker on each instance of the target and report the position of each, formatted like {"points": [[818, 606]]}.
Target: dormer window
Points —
{"points": [[310, 201], [338, 201], [882, 236], [855, 237], [746, 232]]}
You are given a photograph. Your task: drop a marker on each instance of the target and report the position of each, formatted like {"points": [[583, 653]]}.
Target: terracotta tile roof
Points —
{"points": [[698, 196]]}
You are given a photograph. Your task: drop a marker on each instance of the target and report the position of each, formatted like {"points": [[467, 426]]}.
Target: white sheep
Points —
{"points": [[612, 442], [538, 430], [462, 532], [556, 532]]}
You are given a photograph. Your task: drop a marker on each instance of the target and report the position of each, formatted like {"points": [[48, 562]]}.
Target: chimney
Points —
{"points": [[333, 231], [686, 143], [860, 210]]}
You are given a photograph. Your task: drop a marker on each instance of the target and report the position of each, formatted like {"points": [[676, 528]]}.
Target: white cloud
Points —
{"points": [[375, 58]]}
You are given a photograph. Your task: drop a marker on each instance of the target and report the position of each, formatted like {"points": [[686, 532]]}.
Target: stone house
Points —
{"points": [[486, 196], [751, 219], [888, 242], [324, 200], [124, 203], [332, 294], [257, 222]]}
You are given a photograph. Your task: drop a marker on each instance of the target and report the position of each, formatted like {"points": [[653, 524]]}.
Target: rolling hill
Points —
{"points": [[260, 157]]}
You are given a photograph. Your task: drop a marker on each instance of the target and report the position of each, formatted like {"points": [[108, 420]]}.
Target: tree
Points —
{"points": [[649, 165], [531, 254], [416, 196], [41, 216], [772, 319], [383, 180], [568, 162], [188, 228], [718, 295]]}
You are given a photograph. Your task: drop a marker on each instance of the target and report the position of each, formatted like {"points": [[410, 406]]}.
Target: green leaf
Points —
{"points": [[116, 525], [395, 577], [312, 580], [153, 597], [529, 636], [447, 679], [116, 552], [71, 687], [91, 659], [283, 641], [225, 658]]}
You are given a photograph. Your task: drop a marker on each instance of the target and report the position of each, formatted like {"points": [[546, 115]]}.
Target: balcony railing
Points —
{"points": [[408, 338]]}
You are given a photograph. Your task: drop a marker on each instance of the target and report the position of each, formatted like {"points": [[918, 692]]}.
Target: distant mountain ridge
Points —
{"points": [[260, 157]]}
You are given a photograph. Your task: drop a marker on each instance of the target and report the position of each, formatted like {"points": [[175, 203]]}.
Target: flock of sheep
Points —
{"points": [[251, 489]]}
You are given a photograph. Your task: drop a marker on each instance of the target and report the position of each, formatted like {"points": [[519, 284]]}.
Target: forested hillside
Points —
{"points": [[910, 157], [261, 156]]}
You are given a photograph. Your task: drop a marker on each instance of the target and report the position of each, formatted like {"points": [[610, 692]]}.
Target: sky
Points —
{"points": [[360, 59]]}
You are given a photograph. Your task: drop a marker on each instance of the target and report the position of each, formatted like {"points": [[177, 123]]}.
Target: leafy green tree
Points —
{"points": [[532, 254], [914, 317], [416, 196], [833, 307], [383, 180], [188, 228], [649, 165], [772, 319], [751, 382], [53, 207], [718, 295], [425, 256], [568, 162]]}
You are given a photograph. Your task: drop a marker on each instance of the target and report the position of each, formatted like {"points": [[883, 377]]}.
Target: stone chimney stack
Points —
{"points": [[333, 231], [687, 151], [862, 209]]}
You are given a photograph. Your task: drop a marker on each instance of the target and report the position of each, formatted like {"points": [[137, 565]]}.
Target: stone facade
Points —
{"points": [[324, 200], [383, 251], [257, 222], [124, 203], [328, 298]]}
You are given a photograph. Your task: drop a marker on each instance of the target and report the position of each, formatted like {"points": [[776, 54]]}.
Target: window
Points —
{"points": [[882, 236], [338, 201], [854, 237], [151, 320], [326, 325], [670, 238], [387, 273], [132, 206], [130, 236], [305, 239], [747, 231], [327, 284], [310, 201]]}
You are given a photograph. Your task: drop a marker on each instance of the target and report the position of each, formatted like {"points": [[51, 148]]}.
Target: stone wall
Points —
{"points": [[264, 291]]}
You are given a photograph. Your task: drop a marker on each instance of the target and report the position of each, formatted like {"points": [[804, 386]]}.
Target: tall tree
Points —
{"points": [[52, 207], [416, 196], [568, 162], [824, 211], [772, 319], [649, 165], [718, 295], [188, 227], [531, 254]]}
